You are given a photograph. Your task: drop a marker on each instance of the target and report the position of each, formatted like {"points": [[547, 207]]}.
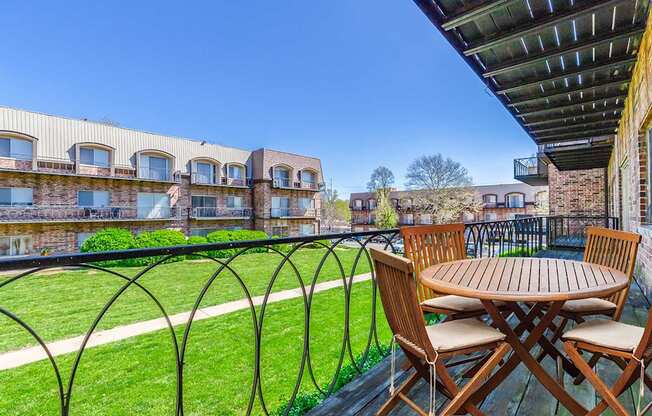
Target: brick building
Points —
{"points": [[497, 203], [62, 179]]}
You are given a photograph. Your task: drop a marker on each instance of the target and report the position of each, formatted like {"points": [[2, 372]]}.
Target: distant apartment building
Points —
{"points": [[496, 202], [63, 179]]}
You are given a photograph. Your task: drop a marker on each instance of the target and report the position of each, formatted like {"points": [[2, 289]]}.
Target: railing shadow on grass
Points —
{"points": [[482, 240]]}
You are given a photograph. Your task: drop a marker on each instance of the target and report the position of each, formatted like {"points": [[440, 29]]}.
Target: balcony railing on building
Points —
{"points": [[531, 170], [293, 213], [287, 183], [219, 213], [197, 178], [58, 213]]}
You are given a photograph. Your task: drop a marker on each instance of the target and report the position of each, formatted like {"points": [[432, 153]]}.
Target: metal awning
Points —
{"points": [[589, 154], [561, 67]]}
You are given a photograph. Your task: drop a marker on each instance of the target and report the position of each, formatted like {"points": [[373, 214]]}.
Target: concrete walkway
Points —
{"points": [[13, 359]]}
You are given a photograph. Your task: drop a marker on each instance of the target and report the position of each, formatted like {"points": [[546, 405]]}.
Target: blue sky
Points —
{"points": [[357, 83]]}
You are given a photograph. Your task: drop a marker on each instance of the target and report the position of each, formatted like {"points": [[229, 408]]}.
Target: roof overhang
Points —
{"points": [[588, 154], [561, 68]]}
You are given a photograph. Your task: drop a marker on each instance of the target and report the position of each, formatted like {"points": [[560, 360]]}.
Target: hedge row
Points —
{"points": [[111, 239]]}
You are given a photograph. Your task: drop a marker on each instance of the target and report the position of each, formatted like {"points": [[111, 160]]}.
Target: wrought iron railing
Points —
{"points": [[569, 232], [219, 212], [293, 212], [54, 213], [530, 166], [482, 239]]}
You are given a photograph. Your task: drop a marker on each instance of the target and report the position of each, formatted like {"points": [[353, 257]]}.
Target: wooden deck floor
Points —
{"points": [[520, 394]]}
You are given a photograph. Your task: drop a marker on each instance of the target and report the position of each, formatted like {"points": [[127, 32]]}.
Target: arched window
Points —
{"points": [[16, 146], [236, 174], [95, 154], [372, 203], [489, 200], [308, 179], [282, 175], [155, 165], [204, 171], [515, 200]]}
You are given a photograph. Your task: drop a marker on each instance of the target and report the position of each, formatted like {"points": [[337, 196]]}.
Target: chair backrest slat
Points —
{"points": [[427, 245], [397, 286], [615, 249]]}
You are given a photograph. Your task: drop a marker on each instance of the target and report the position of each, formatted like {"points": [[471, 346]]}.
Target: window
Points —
{"points": [[280, 206], [16, 245], [234, 202], [81, 237], [281, 177], [515, 201], [233, 228], [490, 216], [152, 205], [16, 148], [94, 156], [308, 177], [236, 172], [408, 219], [306, 203], [372, 204], [154, 167], [306, 229], [280, 231], [468, 217], [489, 199], [357, 203], [16, 196], [205, 173], [201, 232], [93, 199], [204, 206], [425, 219]]}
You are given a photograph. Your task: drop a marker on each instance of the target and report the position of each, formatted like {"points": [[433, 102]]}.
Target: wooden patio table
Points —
{"points": [[545, 284]]}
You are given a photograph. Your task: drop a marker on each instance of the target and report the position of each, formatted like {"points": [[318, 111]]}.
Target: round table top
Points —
{"points": [[523, 279]]}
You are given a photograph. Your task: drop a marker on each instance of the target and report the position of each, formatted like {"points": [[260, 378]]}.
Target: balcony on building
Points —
{"points": [[531, 170], [19, 214], [281, 212], [283, 178], [220, 213], [236, 176]]}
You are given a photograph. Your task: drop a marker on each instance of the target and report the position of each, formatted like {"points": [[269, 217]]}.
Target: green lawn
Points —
{"points": [[64, 304], [137, 376]]}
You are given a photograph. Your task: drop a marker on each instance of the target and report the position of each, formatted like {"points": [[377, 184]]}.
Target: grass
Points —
{"points": [[137, 376], [64, 304]]}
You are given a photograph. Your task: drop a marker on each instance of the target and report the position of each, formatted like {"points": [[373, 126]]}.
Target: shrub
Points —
{"points": [[197, 239], [282, 247], [109, 239], [225, 236], [158, 238], [519, 252]]}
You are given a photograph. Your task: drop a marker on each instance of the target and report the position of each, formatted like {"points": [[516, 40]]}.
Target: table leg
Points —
{"points": [[521, 354], [547, 346]]}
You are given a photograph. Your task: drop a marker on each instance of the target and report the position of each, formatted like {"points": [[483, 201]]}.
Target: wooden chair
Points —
{"points": [[611, 248], [427, 346], [428, 245], [630, 347]]}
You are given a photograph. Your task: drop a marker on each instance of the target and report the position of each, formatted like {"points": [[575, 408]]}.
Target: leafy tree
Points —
{"points": [[385, 214], [442, 188]]}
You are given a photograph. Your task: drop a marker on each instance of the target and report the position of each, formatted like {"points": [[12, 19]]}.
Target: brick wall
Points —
{"points": [[577, 192], [628, 168]]}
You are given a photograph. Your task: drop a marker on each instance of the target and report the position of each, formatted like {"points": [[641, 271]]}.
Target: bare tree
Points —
{"points": [[333, 209], [442, 188], [381, 180]]}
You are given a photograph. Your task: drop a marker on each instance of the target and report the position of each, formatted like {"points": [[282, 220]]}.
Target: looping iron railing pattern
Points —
{"points": [[569, 232], [482, 240], [223, 267]]}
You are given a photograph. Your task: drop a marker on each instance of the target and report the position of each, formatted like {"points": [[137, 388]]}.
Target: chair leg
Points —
{"points": [[396, 397], [608, 396], [555, 336], [470, 387], [592, 362]]}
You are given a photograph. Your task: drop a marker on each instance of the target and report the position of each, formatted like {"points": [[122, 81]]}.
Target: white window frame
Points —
{"points": [[508, 203], [153, 205], [94, 162], [231, 199], [311, 232], [11, 243], [16, 154]]}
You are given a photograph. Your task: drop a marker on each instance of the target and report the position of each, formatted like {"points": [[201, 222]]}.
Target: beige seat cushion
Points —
{"points": [[462, 333], [456, 303], [588, 305], [606, 333]]}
